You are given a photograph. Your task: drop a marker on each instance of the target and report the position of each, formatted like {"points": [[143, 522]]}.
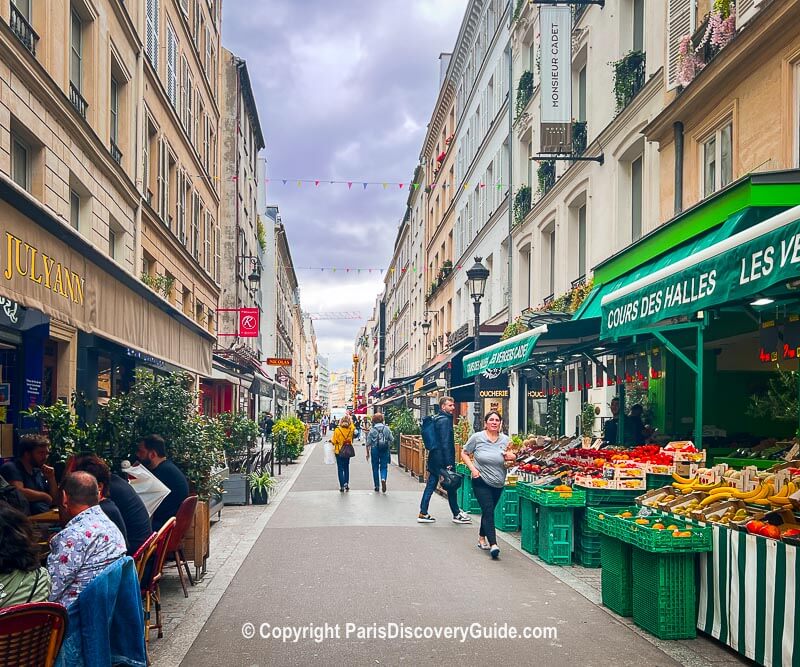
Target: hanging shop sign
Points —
{"points": [[248, 322], [505, 354], [279, 361], [738, 268], [556, 68]]}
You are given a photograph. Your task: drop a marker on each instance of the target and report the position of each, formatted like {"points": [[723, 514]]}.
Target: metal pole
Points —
{"points": [[698, 399], [477, 345]]}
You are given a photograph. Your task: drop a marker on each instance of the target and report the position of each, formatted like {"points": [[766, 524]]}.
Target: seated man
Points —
{"points": [[30, 473], [119, 501], [152, 453], [89, 543]]}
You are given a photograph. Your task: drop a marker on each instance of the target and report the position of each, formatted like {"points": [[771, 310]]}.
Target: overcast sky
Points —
{"points": [[345, 91]]}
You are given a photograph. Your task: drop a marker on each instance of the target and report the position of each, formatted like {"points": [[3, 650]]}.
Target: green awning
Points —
{"points": [[505, 354], [719, 267]]}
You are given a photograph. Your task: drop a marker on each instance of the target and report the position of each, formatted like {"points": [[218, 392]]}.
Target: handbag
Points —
{"points": [[347, 451], [450, 480]]}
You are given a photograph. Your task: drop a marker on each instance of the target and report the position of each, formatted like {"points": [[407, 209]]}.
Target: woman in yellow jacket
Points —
{"points": [[343, 435]]}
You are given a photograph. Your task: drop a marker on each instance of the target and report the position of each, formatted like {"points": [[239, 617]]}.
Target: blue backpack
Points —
{"points": [[383, 437], [429, 432]]}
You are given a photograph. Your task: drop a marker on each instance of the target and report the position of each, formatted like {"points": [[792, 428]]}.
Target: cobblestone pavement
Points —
{"points": [[231, 539]]}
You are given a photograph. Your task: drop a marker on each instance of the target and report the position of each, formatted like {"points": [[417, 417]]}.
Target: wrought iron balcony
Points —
{"points": [[629, 78], [548, 300], [116, 153], [23, 30], [77, 100], [579, 282]]}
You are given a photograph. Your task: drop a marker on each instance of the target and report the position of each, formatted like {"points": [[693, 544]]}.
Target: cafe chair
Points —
{"points": [[151, 591], [183, 519], [31, 634], [142, 555]]}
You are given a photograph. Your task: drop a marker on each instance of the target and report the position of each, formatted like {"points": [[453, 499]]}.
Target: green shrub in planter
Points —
{"points": [[260, 486], [289, 433]]}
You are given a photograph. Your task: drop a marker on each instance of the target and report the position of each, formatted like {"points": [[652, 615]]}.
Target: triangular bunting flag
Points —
{"points": [[285, 181], [384, 185], [316, 183], [365, 185], [349, 184], [401, 185]]}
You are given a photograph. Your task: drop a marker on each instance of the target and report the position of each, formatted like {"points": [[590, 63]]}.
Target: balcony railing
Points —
{"points": [[546, 174], [548, 299], [578, 137], [524, 92], [522, 204], [579, 282], [629, 73], [577, 12], [23, 30], [77, 100], [116, 153]]}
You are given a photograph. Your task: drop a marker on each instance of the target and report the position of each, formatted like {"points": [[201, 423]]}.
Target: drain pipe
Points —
{"points": [[678, 134]]}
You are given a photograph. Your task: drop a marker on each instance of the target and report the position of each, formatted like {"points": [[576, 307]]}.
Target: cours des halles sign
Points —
{"points": [[723, 274]]}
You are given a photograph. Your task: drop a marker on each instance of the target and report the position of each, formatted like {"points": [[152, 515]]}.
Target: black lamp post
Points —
{"points": [[477, 277], [309, 377]]}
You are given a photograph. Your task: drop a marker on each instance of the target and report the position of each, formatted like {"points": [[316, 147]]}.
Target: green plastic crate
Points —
{"points": [[657, 481], [466, 498], [529, 518], [664, 594], [555, 534], [547, 497], [611, 496], [603, 519], [588, 542], [662, 541], [587, 558], [506, 514], [616, 579]]}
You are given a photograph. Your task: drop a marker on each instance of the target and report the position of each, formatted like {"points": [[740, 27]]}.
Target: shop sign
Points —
{"points": [[556, 95], [248, 322], [742, 268], [506, 354], [497, 393], [279, 361], [11, 309], [25, 261], [462, 333], [536, 393], [145, 358]]}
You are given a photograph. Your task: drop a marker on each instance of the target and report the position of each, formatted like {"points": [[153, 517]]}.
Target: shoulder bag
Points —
{"points": [[346, 451]]}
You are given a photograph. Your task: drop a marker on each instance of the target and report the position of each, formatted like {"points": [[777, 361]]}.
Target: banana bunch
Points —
{"points": [[782, 497], [691, 485]]}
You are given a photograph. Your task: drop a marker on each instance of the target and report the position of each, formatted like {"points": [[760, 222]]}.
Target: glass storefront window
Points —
{"points": [[104, 387]]}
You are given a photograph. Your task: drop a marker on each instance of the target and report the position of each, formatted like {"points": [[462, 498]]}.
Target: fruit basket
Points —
{"points": [[554, 496]]}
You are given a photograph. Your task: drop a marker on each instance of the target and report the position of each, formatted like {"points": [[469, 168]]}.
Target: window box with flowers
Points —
{"points": [[570, 301], [629, 74], [698, 50]]}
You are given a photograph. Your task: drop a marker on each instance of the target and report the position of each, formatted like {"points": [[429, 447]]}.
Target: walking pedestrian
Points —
{"points": [[485, 455], [357, 428], [442, 455], [343, 449], [366, 425], [323, 424], [379, 446]]}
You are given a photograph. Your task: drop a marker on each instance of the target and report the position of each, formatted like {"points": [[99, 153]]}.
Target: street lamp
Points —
{"points": [[477, 277], [309, 377]]}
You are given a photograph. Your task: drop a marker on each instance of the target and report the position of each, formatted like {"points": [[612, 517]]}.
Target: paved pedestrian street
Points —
{"points": [[360, 561]]}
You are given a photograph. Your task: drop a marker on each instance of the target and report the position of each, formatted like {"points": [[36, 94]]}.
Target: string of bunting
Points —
{"points": [[354, 269], [364, 184]]}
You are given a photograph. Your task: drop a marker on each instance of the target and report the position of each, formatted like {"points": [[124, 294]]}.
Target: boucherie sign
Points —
{"points": [[738, 268]]}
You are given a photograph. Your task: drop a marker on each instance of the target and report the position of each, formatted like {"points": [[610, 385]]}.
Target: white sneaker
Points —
{"points": [[462, 518], [425, 518]]}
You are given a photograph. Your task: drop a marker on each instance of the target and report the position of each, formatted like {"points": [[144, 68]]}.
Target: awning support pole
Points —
{"points": [[698, 392], [676, 351]]}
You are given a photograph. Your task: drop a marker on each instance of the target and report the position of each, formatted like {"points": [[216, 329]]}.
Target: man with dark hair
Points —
{"points": [[152, 453], [119, 501], [442, 455], [611, 428], [89, 543], [30, 473]]}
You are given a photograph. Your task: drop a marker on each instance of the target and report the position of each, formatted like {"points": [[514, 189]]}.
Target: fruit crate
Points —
{"points": [[664, 594], [611, 496], [663, 541], [547, 497], [466, 498], [587, 558], [616, 578], [506, 514], [529, 519], [586, 542], [555, 534], [604, 519], [654, 481]]}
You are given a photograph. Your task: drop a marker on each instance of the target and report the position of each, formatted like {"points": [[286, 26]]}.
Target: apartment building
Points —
{"points": [[397, 288], [570, 215], [96, 273], [324, 382]]}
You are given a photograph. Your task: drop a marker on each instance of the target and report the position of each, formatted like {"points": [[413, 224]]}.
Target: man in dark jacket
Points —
{"points": [[442, 456]]}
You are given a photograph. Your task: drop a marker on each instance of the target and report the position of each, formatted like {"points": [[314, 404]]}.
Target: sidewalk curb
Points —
{"points": [[181, 640]]}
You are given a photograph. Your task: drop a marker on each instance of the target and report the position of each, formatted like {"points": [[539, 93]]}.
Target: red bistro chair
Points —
{"points": [[183, 519], [142, 555], [150, 584], [31, 634]]}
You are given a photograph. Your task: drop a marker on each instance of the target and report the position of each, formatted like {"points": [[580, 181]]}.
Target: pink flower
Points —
{"points": [[70, 544], [63, 559], [105, 538], [88, 533]]}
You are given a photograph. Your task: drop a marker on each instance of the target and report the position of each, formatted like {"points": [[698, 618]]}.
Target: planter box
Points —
{"points": [[196, 542], [235, 489]]}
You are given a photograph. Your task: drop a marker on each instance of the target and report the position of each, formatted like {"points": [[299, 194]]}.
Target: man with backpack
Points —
{"points": [[379, 446], [437, 434]]}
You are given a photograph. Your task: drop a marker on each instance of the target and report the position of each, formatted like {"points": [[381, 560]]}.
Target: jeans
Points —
{"points": [[487, 497], [434, 466], [343, 470], [379, 460]]}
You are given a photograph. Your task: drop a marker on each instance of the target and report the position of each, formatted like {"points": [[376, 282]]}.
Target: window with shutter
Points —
{"points": [[680, 23], [151, 37], [745, 10], [172, 64]]}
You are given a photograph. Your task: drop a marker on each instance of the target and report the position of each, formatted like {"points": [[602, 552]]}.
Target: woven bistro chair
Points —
{"points": [[142, 555], [150, 582], [183, 519], [31, 634]]}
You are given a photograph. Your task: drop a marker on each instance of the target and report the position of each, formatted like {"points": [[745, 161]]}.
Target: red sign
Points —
{"points": [[248, 322], [279, 361]]}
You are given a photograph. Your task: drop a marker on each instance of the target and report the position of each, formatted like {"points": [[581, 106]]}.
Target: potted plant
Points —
{"points": [[587, 423], [241, 433], [260, 486]]}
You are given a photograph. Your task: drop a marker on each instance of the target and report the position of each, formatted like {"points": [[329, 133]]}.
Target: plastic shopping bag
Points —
{"points": [[151, 490], [330, 459]]}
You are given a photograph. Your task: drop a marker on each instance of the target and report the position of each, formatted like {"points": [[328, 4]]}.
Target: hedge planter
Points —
{"points": [[235, 489]]}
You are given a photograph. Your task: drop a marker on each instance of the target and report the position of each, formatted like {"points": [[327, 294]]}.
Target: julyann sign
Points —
{"points": [[248, 322]]}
